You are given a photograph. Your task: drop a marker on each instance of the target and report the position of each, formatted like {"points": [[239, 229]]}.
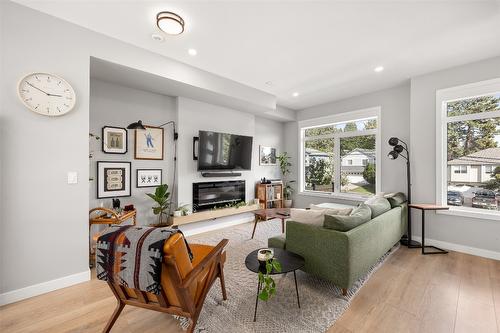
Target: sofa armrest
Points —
{"points": [[325, 251]]}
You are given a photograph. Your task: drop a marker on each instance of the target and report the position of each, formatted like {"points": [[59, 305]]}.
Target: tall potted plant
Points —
{"points": [[284, 162], [161, 196]]}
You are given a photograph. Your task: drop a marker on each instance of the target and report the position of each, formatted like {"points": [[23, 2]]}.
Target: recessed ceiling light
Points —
{"points": [[170, 23], [295, 94], [157, 37], [378, 69], [192, 52], [270, 83]]}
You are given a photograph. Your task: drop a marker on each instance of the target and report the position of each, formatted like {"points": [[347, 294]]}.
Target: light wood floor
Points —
{"points": [[409, 293]]}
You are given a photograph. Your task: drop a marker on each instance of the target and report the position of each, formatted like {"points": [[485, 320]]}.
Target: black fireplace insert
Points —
{"points": [[208, 195]]}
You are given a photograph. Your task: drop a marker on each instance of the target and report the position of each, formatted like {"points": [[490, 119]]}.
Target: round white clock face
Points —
{"points": [[46, 94]]}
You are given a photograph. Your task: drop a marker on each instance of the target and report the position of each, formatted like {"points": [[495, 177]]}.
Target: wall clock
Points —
{"points": [[46, 94]]}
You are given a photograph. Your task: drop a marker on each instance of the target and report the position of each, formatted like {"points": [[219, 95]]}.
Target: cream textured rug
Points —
{"points": [[321, 301]]}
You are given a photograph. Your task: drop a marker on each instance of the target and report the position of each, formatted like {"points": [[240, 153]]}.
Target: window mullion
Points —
{"points": [[336, 164]]}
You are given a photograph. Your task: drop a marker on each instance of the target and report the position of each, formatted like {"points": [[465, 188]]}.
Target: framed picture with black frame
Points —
{"points": [[113, 179], [149, 177], [114, 140]]}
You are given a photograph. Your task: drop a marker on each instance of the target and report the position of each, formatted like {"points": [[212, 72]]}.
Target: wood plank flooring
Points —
{"points": [[409, 293]]}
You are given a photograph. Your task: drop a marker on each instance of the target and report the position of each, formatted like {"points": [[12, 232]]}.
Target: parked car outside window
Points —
{"points": [[455, 198], [485, 199]]}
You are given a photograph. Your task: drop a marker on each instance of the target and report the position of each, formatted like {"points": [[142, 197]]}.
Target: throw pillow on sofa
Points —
{"points": [[378, 206], [332, 211], [396, 199], [307, 215], [359, 215]]}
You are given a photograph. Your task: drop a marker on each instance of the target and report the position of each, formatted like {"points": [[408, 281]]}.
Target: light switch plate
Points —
{"points": [[72, 177]]}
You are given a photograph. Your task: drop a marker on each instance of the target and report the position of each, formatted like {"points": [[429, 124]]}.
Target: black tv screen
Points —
{"points": [[223, 151]]}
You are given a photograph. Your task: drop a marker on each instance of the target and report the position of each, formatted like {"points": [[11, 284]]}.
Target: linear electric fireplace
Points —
{"points": [[208, 195]]}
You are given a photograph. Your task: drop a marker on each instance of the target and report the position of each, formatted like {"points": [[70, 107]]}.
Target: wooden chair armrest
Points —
{"points": [[191, 276]]}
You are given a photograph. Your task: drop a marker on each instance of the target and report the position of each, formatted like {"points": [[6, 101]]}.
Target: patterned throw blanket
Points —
{"points": [[132, 256]]}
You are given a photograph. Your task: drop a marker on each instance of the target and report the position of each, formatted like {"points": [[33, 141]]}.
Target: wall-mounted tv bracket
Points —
{"points": [[195, 147]]}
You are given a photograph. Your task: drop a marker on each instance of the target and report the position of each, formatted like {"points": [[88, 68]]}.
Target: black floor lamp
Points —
{"points": [[139, 125], [400, 150]]}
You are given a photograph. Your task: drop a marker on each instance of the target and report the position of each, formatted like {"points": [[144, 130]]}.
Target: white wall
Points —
{"points": [[115, 105], [194, 116], [395, 109], [464, 231], [44, 224]]}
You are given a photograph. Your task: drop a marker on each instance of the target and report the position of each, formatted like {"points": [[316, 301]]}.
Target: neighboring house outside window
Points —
{"points": [[340, 156], [469, 147]]}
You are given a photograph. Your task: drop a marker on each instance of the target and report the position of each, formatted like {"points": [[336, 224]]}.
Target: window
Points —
{"points": [[460, 169], [339, 154], [469, 146]]}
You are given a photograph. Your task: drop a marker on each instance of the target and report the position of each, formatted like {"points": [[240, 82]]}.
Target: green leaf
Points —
{"points": [[264, 295], [277, 266], [261, 277]]}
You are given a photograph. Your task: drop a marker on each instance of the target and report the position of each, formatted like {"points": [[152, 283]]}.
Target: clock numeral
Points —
{"points": [[36, 77], [66, 105], [36, 107], [58, 109], [59, 83]]}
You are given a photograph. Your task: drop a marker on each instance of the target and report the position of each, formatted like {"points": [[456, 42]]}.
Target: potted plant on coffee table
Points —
{"points": [[284, 162]]}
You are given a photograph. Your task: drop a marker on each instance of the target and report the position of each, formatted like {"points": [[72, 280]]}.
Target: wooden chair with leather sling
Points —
{"points": [[185, 284]]}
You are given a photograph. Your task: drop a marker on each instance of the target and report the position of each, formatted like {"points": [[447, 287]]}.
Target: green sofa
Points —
{"points": [[343, 257]]}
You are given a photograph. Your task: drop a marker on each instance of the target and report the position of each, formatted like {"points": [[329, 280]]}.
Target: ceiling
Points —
{"points": [[325, 50]]}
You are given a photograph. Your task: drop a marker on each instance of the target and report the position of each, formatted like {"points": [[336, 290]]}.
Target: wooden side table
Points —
{"points": [[424, 208], [269, 214], [107, 216]]}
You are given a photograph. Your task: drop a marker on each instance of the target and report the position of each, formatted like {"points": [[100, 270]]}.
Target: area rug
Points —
{"points": [[321, 301]]}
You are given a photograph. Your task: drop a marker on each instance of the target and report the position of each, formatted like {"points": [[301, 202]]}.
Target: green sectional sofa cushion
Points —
{"points": [[378, 206], [359, 215], [396, 199]]}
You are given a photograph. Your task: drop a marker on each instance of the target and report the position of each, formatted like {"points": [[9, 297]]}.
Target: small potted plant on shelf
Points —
{"points": [[161, 197], [182, 210], [284, 162]]}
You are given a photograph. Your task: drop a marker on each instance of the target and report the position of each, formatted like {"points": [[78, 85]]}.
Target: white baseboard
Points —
{"points": [[44, 287], [460, 248]]}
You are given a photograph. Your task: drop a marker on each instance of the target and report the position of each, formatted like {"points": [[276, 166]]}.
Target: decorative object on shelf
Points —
{"points": [[113, 179], [46, 94], [149, 143], [114, 140], [182, 210], [128, 208], [139, 126], [116, 203], [284, 161], [267, 155], [265, 181], [149, 177], [161, 197], [400, 150]]}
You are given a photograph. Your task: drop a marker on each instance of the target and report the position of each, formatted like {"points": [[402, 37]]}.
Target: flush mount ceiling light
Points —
{"points": [[295, 94], [170, 23], [378, 69], [192, 52]]}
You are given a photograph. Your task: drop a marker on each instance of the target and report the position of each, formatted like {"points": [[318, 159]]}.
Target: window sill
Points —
{"points": [[341, 196], [473, 213]]}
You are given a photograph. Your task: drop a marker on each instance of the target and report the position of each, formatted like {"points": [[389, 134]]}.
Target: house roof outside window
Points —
{"points": [[483, 157]]}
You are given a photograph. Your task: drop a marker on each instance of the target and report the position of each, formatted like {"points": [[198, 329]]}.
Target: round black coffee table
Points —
{"points": [[289, 261]]}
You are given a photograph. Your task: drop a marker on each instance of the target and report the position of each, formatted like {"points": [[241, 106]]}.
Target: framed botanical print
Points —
{"points": [[267, 156], [113, 179], [149, 143], [149, 177], [114, 140]]}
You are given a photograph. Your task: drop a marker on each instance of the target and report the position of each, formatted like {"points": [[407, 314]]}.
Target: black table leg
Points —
{"points": [[256, 302], [438, 250], [255, 225], [296, 288]]}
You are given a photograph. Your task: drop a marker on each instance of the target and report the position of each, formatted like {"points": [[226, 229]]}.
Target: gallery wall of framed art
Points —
{"points": [[114, 140], [149, 143]]}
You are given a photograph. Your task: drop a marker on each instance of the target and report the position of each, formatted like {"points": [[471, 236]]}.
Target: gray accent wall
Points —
{"points": [[465, 231], [118, 106], [395, 113]]}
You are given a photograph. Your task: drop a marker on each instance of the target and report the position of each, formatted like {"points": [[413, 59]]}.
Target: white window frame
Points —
{"points": [[340, 118], [443, 96]]}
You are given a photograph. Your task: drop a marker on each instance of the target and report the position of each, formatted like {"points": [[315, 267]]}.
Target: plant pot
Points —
{"points": [[287, 203], [177, 213]]}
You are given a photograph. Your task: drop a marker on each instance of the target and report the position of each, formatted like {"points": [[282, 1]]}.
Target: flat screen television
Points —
{"points": [[223, 151]]}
